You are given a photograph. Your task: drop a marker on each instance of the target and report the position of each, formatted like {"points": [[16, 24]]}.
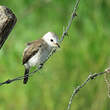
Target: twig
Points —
{"points": [[70, 21], [53, 51], [77, 89], [107, 77], [20, 77]]}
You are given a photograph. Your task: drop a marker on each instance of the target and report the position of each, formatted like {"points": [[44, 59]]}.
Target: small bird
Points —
{"points": [[37, 51]]}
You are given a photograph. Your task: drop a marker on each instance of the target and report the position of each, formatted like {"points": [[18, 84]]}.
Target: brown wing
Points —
{"points": [[31, 50], [29, 43]]}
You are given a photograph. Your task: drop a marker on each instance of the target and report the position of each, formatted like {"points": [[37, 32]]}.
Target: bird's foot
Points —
{"points": [[41, 65]]}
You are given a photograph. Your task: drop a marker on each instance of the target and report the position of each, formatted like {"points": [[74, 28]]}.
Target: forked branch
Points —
{"points": [[77, 89]]}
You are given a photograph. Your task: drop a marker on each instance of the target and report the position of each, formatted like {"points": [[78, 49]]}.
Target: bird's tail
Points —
{"points": [[26, 75]]}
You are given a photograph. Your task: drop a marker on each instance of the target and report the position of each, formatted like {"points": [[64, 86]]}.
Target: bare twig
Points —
{"points": [[20, 77], [77, 89], [70, 21], [107, 80], [53, 51]]}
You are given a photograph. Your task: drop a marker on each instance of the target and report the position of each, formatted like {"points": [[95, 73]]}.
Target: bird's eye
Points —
{"points": [[51, 40]]}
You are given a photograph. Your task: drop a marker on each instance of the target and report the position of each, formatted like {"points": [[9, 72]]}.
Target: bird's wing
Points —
{"points": [[31, 50], [29, 43]]}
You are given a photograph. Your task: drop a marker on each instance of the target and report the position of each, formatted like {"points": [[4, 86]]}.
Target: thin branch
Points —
{"points": [[107, 80], [53, 51], [70, 21], [77, 89], [20, 77]]}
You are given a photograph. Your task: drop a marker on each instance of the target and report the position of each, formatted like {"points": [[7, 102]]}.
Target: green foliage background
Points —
{"points": [[86, 49]]}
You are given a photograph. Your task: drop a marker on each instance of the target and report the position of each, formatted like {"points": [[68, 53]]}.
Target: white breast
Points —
{"points": [[35, 60], [39, 57]]}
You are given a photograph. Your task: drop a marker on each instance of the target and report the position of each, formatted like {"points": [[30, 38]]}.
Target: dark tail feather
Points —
{"points": [[26, 76]]}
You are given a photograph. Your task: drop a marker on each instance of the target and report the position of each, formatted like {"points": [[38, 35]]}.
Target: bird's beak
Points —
{"points": [[57, 45]]}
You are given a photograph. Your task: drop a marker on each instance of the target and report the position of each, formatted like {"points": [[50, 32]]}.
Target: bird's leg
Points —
{"points": [[41, 65]]}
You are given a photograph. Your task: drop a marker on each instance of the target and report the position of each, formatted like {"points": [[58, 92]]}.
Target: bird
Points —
{"points": [[36, 52]]}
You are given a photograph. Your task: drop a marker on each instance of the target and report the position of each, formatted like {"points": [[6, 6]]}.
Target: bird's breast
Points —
{"points": [[39, 57]]}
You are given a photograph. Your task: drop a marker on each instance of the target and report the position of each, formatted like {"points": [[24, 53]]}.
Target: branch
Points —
{"points": [[7, 22], [107, 80], [70, 21], [77, 89], [20, 77], [65, 33]]}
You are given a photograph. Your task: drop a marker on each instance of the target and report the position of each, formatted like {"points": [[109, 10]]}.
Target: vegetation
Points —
{"points": [[85, 50]]}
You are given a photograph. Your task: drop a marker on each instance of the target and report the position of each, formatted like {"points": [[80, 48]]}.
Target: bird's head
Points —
{"points": [[51, 39]]}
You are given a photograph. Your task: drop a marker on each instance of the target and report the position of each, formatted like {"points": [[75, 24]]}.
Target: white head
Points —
{"points": [[51, 39]]}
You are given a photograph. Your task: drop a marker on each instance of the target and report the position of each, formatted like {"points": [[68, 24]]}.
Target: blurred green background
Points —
{"points": [[85, 50]]}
